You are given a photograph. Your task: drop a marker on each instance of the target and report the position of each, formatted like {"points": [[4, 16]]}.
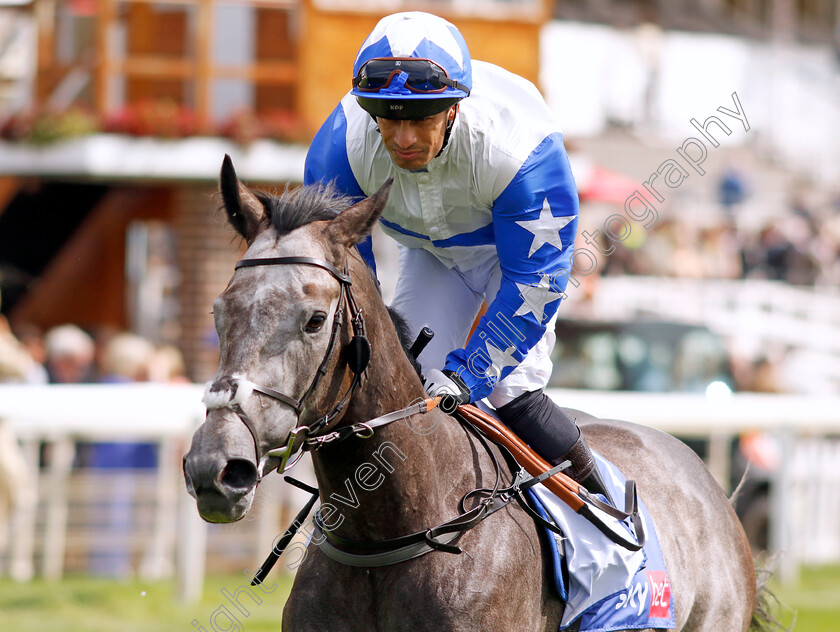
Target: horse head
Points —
{"points": [[285, 357]]}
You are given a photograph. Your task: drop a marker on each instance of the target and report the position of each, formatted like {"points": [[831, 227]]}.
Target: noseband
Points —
{"points": [[357, 353]]}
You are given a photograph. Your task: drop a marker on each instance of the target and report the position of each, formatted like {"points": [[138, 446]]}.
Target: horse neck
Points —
{"points": [[392, 483]]}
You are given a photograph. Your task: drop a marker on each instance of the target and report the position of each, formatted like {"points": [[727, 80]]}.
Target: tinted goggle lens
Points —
{"points": [[423, 75]]}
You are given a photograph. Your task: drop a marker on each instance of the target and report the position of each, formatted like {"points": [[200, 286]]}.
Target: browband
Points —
{"points": [[309, 261]]}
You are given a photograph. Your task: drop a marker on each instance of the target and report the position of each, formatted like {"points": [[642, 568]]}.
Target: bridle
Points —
{"points": [[357, 354]]}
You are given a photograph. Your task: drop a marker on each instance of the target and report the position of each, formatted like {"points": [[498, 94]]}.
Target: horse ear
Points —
{"points": [[353, 224], [245, 212]]}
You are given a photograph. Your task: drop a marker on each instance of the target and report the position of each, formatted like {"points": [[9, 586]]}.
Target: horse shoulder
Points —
{"points": [[500, 582]]}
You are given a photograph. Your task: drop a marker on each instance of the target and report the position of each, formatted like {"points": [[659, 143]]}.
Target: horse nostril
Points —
{"points": [[239, 474], [187, 477]]}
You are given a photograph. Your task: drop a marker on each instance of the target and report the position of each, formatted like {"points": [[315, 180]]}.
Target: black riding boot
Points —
{"points": [[584, 469], [543, 425]]}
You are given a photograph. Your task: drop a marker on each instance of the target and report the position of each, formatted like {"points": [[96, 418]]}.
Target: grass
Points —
{"points": [[815, 599], [87, 604]]}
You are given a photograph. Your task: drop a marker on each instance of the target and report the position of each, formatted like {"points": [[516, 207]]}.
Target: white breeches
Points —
{"points": [[447, 301]]}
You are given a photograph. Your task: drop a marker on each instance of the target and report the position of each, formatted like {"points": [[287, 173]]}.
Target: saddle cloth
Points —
{"points": [[605, 586]]}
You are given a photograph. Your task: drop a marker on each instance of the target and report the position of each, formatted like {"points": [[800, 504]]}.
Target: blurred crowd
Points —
{"points": [[67, 354], [800, 247]]}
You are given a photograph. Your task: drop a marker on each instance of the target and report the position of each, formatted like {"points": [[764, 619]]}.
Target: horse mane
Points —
{"points": [[404, 334], [303, 205]]}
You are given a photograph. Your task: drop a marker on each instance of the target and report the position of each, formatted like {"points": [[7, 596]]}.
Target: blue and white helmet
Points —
{"points": [[412, 65]]}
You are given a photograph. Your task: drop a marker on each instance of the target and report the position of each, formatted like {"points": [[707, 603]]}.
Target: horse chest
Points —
{"points": [[439, 592]]}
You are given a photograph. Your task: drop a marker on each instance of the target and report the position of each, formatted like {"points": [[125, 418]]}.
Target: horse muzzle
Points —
{"points": [[220, 469], [223, 490]]}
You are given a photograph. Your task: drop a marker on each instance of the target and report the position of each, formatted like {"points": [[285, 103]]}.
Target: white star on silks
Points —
{"points": [[500, 359], [546, 228], [536, 297]]}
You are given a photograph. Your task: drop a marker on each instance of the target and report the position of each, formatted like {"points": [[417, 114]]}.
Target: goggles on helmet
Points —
{"points": [[424, 75]]}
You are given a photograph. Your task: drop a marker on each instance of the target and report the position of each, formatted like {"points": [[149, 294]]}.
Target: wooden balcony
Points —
{"points": [[108, 53], [219, 56]]}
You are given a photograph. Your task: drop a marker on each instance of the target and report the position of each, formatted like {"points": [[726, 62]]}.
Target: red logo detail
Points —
{"points": [[660, 594]]}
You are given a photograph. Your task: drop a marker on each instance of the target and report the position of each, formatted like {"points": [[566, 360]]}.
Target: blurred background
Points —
{"points": [[718, 319]]}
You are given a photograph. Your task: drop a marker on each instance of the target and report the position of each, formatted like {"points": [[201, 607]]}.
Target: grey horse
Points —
{"points": [[275, 333]]}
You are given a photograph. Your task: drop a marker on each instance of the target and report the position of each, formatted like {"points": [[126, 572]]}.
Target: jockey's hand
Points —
{"points": [[440, 383]]}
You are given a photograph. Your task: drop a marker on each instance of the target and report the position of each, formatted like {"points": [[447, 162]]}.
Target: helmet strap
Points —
{"points": [[449, 123]]}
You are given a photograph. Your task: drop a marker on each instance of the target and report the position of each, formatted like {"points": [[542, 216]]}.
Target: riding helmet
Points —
{"points": [[412, 65]]}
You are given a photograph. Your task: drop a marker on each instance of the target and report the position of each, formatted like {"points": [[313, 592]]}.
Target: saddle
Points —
{"points": [[565, 488], [600, 594]]}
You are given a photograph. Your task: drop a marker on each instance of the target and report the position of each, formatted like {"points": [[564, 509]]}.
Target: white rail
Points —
{"points": [[60, 415], [167, 415], [699, 415], [102, 412]]}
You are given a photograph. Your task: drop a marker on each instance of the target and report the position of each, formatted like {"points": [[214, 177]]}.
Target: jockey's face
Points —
{"points": [[413, 143]]}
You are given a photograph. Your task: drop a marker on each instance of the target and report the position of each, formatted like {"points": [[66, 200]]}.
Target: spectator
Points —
{"points": [[732, 191], [826, 250], [16, 364], [766, 376], [13, 478], [167, 365], [32, 338], [102, 335], [720, 252], [686, 259], [69, 355], [125, 359]]}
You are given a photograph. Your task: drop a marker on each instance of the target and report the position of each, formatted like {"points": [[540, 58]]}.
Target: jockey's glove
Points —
{"points": [[440, 383]]}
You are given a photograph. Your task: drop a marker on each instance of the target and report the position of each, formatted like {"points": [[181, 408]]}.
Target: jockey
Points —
{"points": [[483, 207]]}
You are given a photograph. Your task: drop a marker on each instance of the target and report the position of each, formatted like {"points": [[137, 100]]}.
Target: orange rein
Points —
{"points": [[564, 487]]}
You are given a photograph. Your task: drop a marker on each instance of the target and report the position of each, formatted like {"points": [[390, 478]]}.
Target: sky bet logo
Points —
{"points": [[660, 594], [657, 593]]}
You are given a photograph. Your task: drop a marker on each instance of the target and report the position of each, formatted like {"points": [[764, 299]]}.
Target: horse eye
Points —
{"points": [[316, 322]]}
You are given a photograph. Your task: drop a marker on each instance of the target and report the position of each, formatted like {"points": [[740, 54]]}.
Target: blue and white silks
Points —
{"points": [[501, 190], [609, 588]]}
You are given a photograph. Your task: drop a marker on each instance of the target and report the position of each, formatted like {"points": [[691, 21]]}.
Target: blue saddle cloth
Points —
{"points": [[605, 586]]}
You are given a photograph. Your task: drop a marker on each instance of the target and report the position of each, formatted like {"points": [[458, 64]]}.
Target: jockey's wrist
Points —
{"points": [[448, 385], [460, 382]]}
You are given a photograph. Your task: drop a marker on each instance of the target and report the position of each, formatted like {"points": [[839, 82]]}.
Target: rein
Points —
{"points": [[443, 537]]}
